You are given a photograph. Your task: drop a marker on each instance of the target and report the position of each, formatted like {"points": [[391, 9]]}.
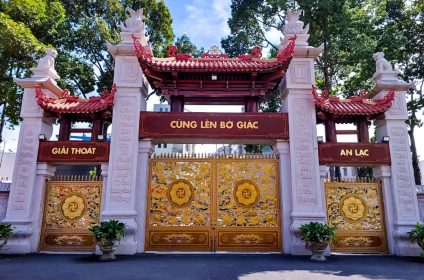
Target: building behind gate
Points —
{"points": [[211, 202]]}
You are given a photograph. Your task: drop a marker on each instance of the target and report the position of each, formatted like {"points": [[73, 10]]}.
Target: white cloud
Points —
{"points": [[206, 22]]}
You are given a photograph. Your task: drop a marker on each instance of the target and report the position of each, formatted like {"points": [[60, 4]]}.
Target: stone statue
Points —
{"points": [[293, 24], [47, 61], [45, 66], [381, 64], [135, 23]]}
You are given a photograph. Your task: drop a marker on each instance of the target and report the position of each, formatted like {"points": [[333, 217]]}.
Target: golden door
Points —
{"points": [[71, 208], [211, 204], [356, 208]]}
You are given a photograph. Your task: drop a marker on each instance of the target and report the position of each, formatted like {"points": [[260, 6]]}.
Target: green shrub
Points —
{"points": [[109, 230], [317, 232], [6, 231], [417, 234]]}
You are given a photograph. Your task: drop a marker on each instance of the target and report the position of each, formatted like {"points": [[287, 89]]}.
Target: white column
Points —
{"points": [[27, 186], [131, 90], [384, 174], [282, 150], [44, 171], [146, 148], [104, 172], [402, 183], [297, 100]]}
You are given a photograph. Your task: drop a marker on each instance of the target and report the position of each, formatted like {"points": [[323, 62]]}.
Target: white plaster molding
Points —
{"points": [[146, 148], [382, 171], [104, 169], [323, 171], [44, 82], [45, 169], [282, 149]]}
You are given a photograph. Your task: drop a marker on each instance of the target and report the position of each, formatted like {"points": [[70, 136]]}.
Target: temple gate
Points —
{"points": [[222, 203], [354, 205], [212, 203]]}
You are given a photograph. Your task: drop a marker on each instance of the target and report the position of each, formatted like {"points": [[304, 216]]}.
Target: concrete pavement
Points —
{"points": [[208, 266]]}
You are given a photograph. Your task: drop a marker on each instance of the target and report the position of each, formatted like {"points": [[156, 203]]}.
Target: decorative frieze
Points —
{"points": [[24, 171], [301, 140], [125, 136], [401, 171]]}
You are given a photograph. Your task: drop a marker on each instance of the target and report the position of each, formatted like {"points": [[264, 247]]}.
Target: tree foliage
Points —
{"points": [[350, 31], [185, 46], [79, 30]]}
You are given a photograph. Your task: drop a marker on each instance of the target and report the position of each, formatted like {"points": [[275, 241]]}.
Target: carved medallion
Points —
{"points": [[353, 208], [180, 193], [246, 193], [73, 206]]}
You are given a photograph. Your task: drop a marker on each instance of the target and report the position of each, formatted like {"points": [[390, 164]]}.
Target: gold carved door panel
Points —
{"points": [[248, 212], [179, 205], [356, 209], [70, 209], [213, 204]]}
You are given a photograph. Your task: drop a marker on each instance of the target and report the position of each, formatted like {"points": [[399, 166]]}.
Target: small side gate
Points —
{"points": [[355, 207], [214, 204], [72, 205]]}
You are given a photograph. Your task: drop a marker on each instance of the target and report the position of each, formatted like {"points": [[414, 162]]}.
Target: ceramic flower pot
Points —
{"points": [[3, 242], [317, 249], [108, 249]]}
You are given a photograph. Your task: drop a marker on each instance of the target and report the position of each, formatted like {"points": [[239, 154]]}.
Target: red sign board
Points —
{"points": [[73, 151], [250, 126], [353, 153]]}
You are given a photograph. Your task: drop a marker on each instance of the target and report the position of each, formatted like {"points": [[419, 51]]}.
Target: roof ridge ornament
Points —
{"points": [[214, 52], [45, 66]]}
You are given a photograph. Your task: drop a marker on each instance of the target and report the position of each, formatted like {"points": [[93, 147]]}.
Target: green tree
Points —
{"points": [[79, 31], [22, 42], [351, 31], [185, 46]]}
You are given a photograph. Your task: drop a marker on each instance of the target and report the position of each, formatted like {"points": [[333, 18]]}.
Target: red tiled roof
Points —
{"points": [[214, 63], [352, 106], [74, 104]]}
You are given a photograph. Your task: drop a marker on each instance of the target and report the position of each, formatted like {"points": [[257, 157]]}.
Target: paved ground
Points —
{"points": [[208, 266]]}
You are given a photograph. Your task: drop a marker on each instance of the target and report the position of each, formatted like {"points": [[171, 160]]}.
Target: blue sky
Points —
{"points": [[204, 21]]}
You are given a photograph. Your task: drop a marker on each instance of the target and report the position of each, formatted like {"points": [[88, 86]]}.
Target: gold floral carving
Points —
{"points": [[179, 238], [356, 241], [180, 193], [73, 206], [353, 208], [247, 239], [246, 193], [73, 240], [356, 207]]}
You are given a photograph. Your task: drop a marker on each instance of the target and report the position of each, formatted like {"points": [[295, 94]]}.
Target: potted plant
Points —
{"points": [[6, 231], [417, 235], [317, 237], [107, 235]]}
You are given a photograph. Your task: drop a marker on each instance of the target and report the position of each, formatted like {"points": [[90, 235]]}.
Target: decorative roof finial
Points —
{"points": [[293, 24], [45, 66], [135, 23]]}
